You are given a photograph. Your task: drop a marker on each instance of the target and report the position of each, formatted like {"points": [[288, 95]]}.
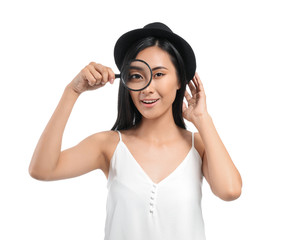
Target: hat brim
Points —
{"points": [[129, 38]]}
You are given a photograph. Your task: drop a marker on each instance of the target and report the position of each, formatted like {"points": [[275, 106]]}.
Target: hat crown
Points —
{"points": [[157, 25], [158, 30]]}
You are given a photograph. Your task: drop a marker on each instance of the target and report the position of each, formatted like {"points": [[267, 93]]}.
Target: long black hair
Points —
{"points": [[128, 115]]}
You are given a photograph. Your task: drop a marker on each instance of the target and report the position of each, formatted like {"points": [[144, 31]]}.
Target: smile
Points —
{"points": [[149, 102]]}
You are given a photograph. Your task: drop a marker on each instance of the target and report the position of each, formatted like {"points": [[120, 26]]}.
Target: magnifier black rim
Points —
{"points": [[139, 60]]}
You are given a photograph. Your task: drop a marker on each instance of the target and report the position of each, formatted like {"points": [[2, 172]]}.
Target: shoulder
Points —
{"points": [[198, 144], [130, 136], [107, 141], [105, 136]]}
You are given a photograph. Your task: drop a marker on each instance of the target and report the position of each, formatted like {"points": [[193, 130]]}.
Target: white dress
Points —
{"points": [[139, 209]]}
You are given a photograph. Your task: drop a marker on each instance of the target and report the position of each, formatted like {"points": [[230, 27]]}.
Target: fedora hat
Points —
{"points": [[160, 30]]}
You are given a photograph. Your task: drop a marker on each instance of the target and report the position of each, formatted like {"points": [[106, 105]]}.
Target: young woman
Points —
{"points": [[154, 166]]}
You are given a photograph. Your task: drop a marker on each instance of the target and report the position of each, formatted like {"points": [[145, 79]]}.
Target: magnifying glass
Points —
{"points": [[136, 75]]}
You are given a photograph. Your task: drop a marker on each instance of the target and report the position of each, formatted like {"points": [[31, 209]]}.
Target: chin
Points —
{"points": [[150, 116], [154, 114]]}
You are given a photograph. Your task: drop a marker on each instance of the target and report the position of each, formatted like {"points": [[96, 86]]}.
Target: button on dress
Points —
{"points": [[139, 209]]}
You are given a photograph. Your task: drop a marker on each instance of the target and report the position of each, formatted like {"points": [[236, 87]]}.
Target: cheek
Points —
{"points": [[169, 90], [171, 95]]}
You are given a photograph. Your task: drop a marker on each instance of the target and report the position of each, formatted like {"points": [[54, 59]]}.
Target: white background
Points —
{"points": [[244, 55]]}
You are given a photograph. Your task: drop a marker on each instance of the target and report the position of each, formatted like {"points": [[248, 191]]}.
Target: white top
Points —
{"points": [[138, 208]]}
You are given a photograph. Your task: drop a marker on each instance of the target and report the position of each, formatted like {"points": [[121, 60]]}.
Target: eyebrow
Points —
{"points": [[135, 68], [159, 67], [153, 69]]}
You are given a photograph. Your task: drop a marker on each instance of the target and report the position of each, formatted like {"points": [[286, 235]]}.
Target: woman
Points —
{"points": [[154, 166]]}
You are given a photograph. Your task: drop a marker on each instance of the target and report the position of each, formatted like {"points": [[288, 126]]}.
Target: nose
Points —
{"points": [[149, 89]]}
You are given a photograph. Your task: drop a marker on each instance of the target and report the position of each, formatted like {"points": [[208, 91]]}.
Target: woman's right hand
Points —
{"points": [[91, 77]]}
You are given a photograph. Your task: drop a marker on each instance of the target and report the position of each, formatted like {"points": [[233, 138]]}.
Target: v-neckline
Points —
{"points": [[147, 176]]}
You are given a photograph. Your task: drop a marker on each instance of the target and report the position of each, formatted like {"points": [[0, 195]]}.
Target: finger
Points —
{"points": [[192, 88], [184, 107], [90, 78], [105, 74], [200, 85], [111, 75], [194, 80], [187, 95], [196, 75], [102, 70], [96, 74]]}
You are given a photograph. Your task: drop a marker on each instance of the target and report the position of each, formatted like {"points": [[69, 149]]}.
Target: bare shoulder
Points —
{"points": [[108, 140], [198, 144]]}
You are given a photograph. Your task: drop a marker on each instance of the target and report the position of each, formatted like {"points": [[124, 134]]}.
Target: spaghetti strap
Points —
{"points": [[193, 139], [120, 137]]}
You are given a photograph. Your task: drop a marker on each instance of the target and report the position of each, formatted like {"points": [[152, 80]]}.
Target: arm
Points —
{"points": [[47, 151], [48, 162], [218, 168]]}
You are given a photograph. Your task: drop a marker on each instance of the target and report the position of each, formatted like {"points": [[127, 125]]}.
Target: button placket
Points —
{"points": [[153, 198]]}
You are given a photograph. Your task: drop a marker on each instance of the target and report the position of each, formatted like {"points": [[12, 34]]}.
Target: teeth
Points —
{"points": [[151, 101]]}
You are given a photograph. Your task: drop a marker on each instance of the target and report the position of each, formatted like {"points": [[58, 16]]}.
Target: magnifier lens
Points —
{"points": [[136, 75]]}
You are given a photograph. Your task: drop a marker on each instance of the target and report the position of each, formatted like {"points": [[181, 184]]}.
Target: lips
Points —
{"points": [[149, 102]]}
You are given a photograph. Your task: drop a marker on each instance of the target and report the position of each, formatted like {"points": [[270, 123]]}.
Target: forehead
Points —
{"points": [[155, 56]]}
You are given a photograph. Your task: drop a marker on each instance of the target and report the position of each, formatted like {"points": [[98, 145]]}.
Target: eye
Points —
{"points": [[135, 76], [159, 74]]}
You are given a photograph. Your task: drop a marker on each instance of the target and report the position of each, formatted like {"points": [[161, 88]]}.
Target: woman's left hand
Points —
{"points": [[197, 106]]}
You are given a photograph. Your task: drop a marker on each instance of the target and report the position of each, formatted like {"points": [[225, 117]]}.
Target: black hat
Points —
{"points": [[160, 30]]}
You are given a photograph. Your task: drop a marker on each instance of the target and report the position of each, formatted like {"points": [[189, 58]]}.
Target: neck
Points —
{"points": [[158, 130]]}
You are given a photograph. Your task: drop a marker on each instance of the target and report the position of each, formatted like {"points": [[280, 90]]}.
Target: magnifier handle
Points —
{"points": [[117, 75]]}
